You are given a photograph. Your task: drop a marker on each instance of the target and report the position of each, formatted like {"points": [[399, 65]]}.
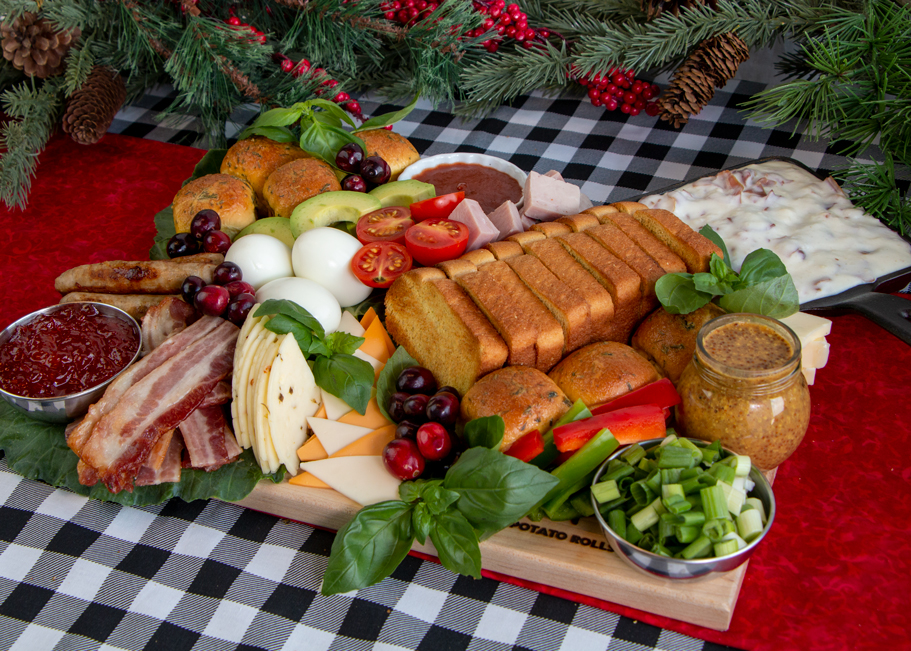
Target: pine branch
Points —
{"points": [[874, 188], [79, 62]]}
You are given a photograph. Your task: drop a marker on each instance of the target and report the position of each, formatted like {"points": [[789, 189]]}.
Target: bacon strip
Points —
{"points": [[165, 319], [123, 438], [220, 395], [168, 471], [204, 433], [78, 437], [159, 450]]}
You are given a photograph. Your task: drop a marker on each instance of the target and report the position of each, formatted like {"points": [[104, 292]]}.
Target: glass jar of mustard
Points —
{"points": [[744, 387]]}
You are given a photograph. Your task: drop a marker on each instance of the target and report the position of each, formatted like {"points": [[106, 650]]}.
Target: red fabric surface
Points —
{"points": [[833, 572]]}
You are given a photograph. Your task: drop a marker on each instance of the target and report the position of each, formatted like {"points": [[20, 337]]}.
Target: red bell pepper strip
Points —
{"points": [[661, 393], [628, 425], [527, 447]]}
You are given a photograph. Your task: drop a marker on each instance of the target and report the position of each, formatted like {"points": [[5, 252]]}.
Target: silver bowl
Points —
{"points": [[63, 409], [493, 162], [679, 569]]}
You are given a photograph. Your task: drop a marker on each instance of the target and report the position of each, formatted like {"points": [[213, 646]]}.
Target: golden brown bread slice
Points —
{"points": [[600, 211], [616, 241], [615, 275], [532, 334], [579, 222], [504, 249], [442, 328], [551, 229], [565, 303], [656, 249], [695, 249], [629, 207], [523, 239], [457, 267], [478, 257], [565, 267]]}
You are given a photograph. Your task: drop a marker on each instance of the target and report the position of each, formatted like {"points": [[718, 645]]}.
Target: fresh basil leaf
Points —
{"points": [[331, 108], [421, 522], [343, 342], [721, 270], [369, 548], [385, 383], [328, 119], [164, 224], [678, 294], [438, 499], [279, 117], [293, 310], [324, 141], [37, 450], [759, 266], [345, 377], [410, 491], [711, 284], [709, 233], [278, 134], [495, 490], [456, 543], [318, 347], [283, 325], [775, 298], [380, 121], [486, 432]]}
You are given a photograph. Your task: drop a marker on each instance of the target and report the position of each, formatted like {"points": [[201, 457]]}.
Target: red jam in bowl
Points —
{"points": [[68, 351]]}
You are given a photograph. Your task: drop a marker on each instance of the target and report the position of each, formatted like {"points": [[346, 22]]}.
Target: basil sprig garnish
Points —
{"points": [[483, 492], [335, 368], [763, 285]]}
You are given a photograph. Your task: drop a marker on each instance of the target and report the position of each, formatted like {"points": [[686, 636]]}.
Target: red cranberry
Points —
{"points": [[216, 242], [403, 459], [212, 300], [434, 441]]}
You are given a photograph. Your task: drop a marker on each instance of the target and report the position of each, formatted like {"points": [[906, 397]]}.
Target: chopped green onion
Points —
{"points": [[687, 518], [633, 535], [641, 492], [741, 543], [734, 498], [722, 472], [633, 454], [617, 470], [725, 547], [645, 518], [582, 502], [665, 531], [692, 484], [695, 451], [714, 502], [743, 464], [695, 500], [605, 491], [676, 504], [687, 534], [717, 529], [699, 548], [749, 525], [671, 437], [654, 482], [661, 550], [757, 504], [671, 489], [616, 520], [711, 452], [670, 475], [675, 457]]}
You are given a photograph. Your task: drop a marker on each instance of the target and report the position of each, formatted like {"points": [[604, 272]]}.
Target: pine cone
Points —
{"points": [[91, 109], [713, 63], [34, 47]]}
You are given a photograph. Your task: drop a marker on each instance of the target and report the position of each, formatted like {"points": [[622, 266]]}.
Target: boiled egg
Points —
{"points": [[261, 258], [311, 296], [324, 255]]}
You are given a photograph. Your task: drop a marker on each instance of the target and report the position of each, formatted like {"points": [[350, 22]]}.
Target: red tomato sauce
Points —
{"points": [[73, 349], [487, 186]]}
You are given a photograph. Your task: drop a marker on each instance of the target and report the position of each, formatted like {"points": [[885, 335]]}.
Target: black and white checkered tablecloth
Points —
{"points": [[81, 574]]}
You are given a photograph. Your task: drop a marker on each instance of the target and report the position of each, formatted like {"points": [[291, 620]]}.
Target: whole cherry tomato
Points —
{"points": [[434, 240], [378, 264], [441, 206]]}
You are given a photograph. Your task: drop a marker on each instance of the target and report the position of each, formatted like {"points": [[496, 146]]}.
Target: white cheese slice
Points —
{"points": [[350, 325], [240, 383], [362, 479], [263, 448], [815, 353], [292, 396], [373, 361], [334, 436], [808, 327], [809, 374], [335, 406]]}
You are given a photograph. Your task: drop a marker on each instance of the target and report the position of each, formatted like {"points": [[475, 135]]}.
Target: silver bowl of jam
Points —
{"points": [[487, 179], [57, 361]]}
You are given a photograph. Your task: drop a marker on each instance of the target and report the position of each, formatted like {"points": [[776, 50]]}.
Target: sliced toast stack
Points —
{"points": [[537, 296]]}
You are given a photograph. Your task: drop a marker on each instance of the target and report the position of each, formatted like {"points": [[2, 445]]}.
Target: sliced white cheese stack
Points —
{"points": [[362, 479], [812, 331]]}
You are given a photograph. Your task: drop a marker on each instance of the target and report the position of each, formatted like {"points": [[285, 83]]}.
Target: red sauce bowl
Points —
{"points": [[64, 408]]}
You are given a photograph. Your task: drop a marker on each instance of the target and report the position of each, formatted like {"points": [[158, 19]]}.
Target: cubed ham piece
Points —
{"points": [[584, 202], [481, 230], [547, 199], [527, 222], [507, 220], [554, 174]]}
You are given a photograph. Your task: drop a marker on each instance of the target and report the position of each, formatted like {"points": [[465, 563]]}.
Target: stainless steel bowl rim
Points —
{"points": [[10, 329], [695, 562]]}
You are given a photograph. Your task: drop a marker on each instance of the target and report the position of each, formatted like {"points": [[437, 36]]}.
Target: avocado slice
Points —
{"points": [[403, 193], [277, 227], [331, 207]]}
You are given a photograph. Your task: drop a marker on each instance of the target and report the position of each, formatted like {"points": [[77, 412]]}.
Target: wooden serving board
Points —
{"points": [[572, 557]]}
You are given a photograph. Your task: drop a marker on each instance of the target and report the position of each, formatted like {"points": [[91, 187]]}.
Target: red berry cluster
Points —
{"points": [[303, 67], [618, 89], [255, 34]]}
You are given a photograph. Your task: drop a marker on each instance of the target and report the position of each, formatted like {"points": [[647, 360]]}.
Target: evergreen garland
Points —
{"points": [[216, 67]]}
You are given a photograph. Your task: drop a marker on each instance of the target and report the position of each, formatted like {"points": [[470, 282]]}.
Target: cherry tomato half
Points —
{"points": [[441, 206], [378, 264], [435, 240], [384, 225]]}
